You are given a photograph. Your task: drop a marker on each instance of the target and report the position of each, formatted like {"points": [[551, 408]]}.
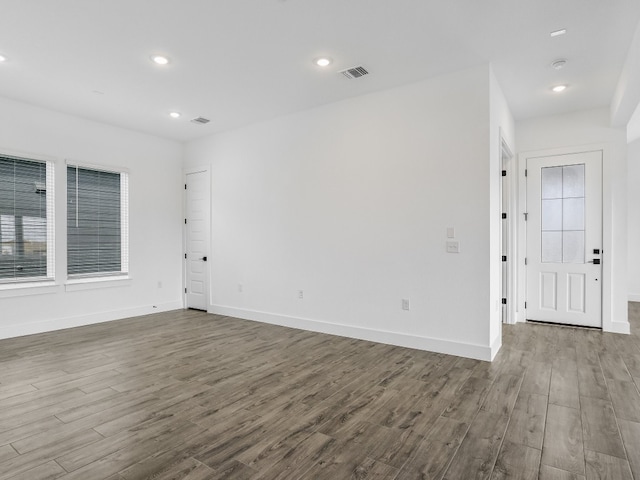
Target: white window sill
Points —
{"points": [[28, 288], [78, 284]]}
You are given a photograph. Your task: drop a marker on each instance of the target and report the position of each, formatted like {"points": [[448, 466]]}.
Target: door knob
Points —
{"points": [[595, 261], [204, 259]]}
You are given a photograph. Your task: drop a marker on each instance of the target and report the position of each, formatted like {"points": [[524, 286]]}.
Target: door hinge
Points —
{"points": [[525, 172], [525, 260], [504, 216], [504, 173], [185, 255], [185, 186], [525, 304], [504, 258], [185, 221], [526, 215], [185, 290], [504, 301]]}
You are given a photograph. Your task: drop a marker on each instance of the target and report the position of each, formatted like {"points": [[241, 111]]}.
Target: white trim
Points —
{"points": [[438, 345], [24, 289], [78, 284], [634, 297], [20, 329], [92, 166]]}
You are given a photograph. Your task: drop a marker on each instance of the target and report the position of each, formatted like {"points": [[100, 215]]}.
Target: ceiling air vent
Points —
{"points": [[200, 120], [355, 72]]}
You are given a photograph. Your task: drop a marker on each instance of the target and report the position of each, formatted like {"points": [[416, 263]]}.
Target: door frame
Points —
{"points": [[508, 230], [608, 325], [185, 173]]}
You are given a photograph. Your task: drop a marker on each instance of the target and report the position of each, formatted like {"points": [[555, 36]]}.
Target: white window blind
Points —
{"points": [[26, 220], [97, 222]]}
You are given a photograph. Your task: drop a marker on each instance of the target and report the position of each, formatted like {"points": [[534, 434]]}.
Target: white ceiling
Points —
{"points": [[241, 61]]}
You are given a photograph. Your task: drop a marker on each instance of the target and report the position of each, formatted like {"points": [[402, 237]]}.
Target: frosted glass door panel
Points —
{"points": [[572, 214], [573, 181], [551, 247], [552, 215], [552, 182]]}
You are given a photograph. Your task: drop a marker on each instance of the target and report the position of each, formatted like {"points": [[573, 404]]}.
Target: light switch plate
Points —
{"points": [[451, 232]]}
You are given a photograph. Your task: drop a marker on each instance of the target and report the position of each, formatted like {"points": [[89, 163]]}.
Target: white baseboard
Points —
{"points": [[19, 330], [478, 352], [620, 327], [634, 297]]}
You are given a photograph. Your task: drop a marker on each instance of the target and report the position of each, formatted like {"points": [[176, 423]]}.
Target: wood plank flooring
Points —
{"points": [[185, 395]]}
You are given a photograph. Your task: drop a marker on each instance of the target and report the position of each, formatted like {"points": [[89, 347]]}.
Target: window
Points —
{"points": [[97, 222], [26, 219]]}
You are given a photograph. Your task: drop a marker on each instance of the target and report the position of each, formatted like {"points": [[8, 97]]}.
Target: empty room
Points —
{"points": [[319, 239]]}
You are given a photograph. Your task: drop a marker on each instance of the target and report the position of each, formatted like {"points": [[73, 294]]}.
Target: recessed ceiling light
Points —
{"points": [[557, 33], [558, 64], [559, 88], [175, 114], [159, 59], [3, 58], [323, 61]]}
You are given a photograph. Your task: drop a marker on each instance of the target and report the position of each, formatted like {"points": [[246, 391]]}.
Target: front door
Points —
{"points": [[564, 239]]}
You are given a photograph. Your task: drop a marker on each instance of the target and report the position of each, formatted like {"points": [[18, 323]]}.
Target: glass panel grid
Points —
{"points": [[562, 222]]}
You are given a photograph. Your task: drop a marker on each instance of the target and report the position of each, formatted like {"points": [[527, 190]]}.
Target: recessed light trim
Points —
{"points": [[557, 33], [559, 88], [160, 59], [323, 61], [175, 114]]}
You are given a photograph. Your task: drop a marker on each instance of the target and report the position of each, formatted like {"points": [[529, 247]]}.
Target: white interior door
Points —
{"points": [[564, 239], [197, 240]]}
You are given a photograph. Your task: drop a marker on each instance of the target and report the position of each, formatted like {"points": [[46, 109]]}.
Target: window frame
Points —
{"points": [[49, 279], [97, 278]]}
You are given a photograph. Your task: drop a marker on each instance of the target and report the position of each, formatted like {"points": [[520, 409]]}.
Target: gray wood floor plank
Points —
{"points": [[551, 473], [563, 446], [526, 426], [517, 462], [603, 467], [625, 398], [600, 427], [631, 437]]}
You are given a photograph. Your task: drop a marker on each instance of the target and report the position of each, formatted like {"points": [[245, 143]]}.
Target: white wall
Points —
{"points": [[155, 220], [633, 185], [593, 128], [351, 202]]}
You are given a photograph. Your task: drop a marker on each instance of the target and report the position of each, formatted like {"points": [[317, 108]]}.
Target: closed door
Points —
{"points": [[564, 239], [197, 240]]}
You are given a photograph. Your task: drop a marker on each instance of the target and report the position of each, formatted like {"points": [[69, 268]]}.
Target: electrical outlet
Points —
{"points": [[453, 246], [300, 294], [406, 305]]}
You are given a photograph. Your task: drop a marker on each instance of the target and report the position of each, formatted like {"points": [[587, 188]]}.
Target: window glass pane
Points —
{"points": [[573, 214], [573, 247], [552, 215], [573, 181], [552, 182], [24, 220], [94, 217], [551, 247]]}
